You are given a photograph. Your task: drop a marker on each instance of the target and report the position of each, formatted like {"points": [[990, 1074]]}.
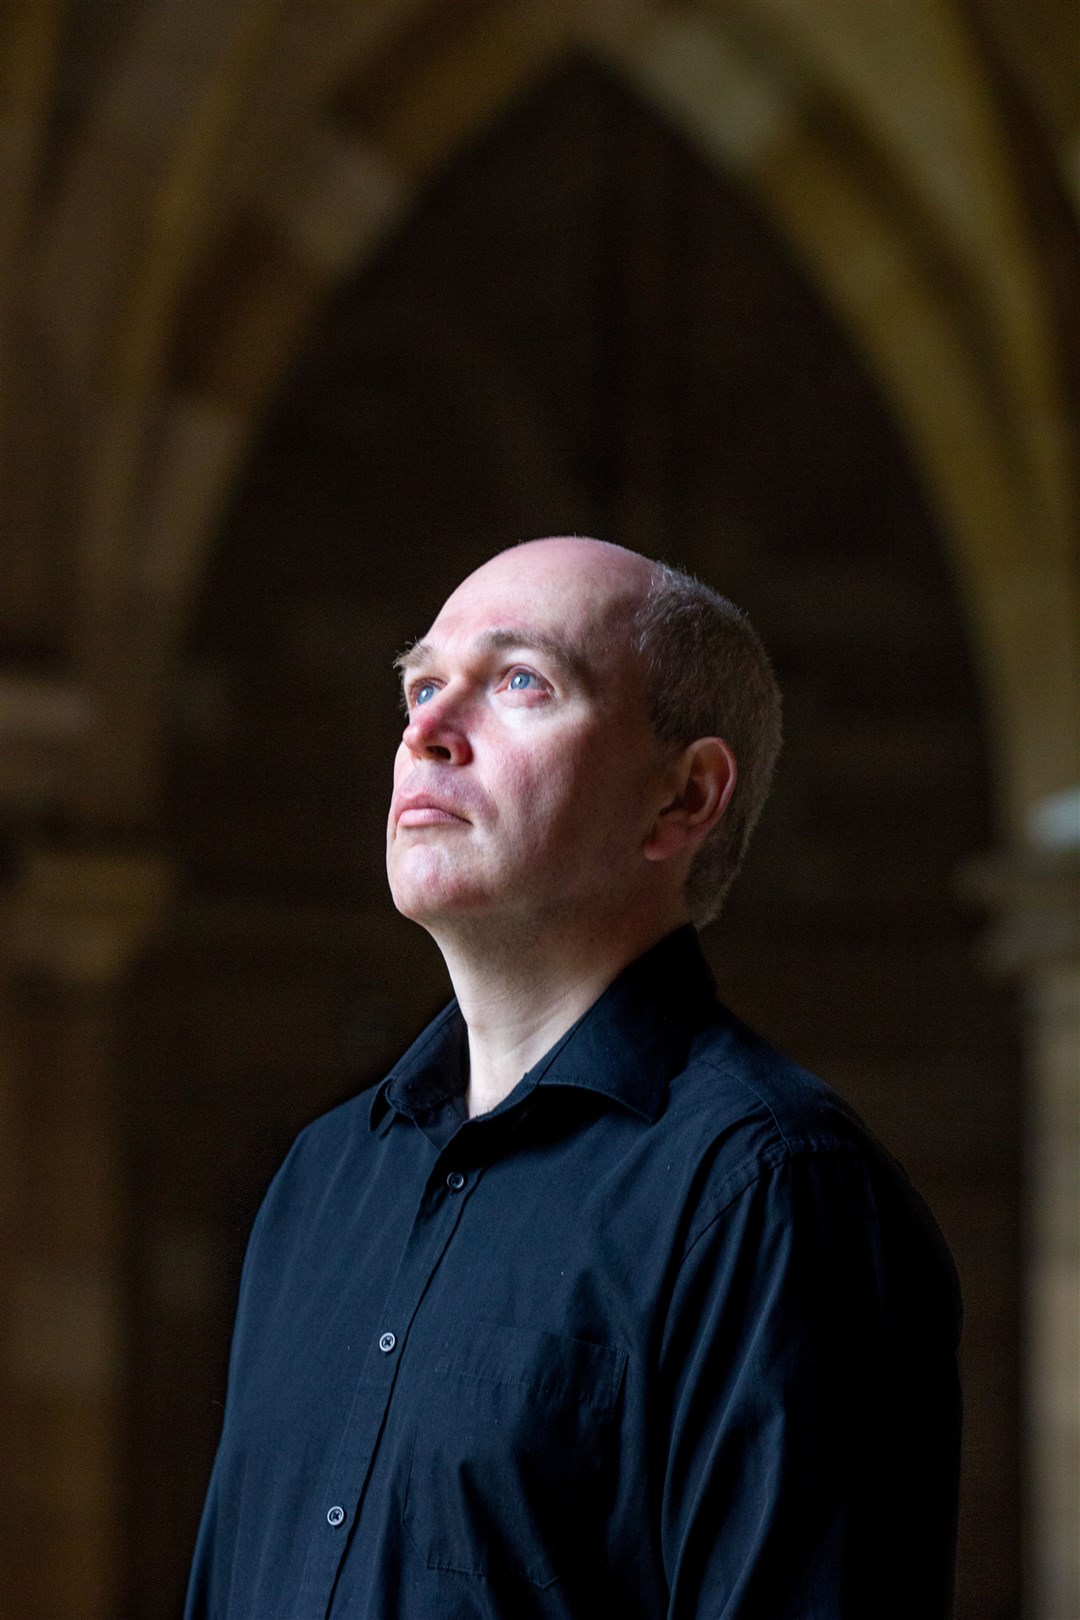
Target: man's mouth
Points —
{"points": [[424, 810]]}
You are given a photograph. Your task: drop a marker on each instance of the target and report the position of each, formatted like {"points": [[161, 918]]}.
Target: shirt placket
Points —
{"points": [[441, 1206]]}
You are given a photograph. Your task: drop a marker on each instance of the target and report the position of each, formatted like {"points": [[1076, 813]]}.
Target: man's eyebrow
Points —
{"points": [[419, 652], [500, 640]]}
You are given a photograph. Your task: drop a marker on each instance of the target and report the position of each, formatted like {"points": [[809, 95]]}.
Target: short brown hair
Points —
{"points": [[708, 675]]}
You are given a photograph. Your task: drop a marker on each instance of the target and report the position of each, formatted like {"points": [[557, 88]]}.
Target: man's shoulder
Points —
{"points": [[348, 1130], [751, 1117], [738, 1089], [324, 1151], [344, 1126]]}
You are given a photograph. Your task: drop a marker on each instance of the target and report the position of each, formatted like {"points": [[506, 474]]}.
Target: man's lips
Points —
{"points": [[424, 810]]}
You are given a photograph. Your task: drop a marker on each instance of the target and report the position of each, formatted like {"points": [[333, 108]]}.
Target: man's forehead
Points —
{"points": [[570, 600], [572, 577]]}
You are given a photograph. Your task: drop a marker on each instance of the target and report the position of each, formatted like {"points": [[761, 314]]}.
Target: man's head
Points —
{"points": [[553, 771]]}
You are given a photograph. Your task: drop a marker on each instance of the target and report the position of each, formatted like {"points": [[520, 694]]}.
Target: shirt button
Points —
{"points": [[336, 1516], [455, 1181], [387, 1343]]}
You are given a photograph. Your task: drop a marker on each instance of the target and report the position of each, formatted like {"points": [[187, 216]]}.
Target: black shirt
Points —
{"points": [[665, 1334]]}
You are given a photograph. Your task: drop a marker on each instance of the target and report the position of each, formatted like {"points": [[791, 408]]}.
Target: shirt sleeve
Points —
{"points": [[200, 1603], [812, 1402]]}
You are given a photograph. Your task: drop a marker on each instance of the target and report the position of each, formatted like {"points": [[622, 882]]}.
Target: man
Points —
{"points": [[596, 1305]]}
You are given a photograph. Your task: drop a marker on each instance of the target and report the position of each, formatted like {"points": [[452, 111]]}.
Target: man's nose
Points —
{"points": [[436, 731]]}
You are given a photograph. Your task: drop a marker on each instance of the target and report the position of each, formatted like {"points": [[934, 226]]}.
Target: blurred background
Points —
{"points": [[307, 307]]}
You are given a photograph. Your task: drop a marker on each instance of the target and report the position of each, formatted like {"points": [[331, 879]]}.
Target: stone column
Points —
{"points": [[1036, 936], [70, 927]]}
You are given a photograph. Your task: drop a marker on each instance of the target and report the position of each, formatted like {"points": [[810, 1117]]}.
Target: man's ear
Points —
{"points": [[704, 782]]}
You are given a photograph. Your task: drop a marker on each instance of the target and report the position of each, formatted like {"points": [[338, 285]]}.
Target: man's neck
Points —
{"points": [[519, 993]]}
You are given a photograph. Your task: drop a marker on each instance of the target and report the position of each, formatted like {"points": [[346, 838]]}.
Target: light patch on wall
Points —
{"points": [[340, 198], [1054, 822], [61, 1331], [709, 87]]}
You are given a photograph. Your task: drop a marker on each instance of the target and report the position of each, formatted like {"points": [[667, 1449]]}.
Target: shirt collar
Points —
{"points": [[626, 1046], [433, 1069], [635, 1036]]}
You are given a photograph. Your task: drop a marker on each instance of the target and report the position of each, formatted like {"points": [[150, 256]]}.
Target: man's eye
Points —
{"points": [[521, 681], [422, 693]]}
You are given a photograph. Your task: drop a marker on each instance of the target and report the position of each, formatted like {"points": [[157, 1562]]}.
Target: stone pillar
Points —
{"points": [[1036, 936], [70, 927]]}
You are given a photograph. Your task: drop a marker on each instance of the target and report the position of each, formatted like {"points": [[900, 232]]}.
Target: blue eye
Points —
{"points": [[423, 693], [520, 680]]}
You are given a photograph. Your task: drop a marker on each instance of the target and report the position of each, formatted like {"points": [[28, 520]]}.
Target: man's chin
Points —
{"points": [[432, 903]]}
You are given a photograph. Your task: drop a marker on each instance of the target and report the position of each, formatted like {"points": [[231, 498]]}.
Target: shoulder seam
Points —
{"points": [[741, 1080], [774, 1158]]}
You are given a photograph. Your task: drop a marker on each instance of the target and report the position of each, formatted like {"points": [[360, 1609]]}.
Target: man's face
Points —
{"points": [[527, 777]]}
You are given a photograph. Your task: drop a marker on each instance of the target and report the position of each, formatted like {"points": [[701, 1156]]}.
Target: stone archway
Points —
{"points": [[896, 187]]}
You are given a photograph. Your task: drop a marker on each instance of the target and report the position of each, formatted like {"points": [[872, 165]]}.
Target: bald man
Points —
{"points": [[596, 1305]]}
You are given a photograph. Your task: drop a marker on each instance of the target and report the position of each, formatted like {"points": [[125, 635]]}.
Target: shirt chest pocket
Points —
{"points": [[508, 1453]]}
